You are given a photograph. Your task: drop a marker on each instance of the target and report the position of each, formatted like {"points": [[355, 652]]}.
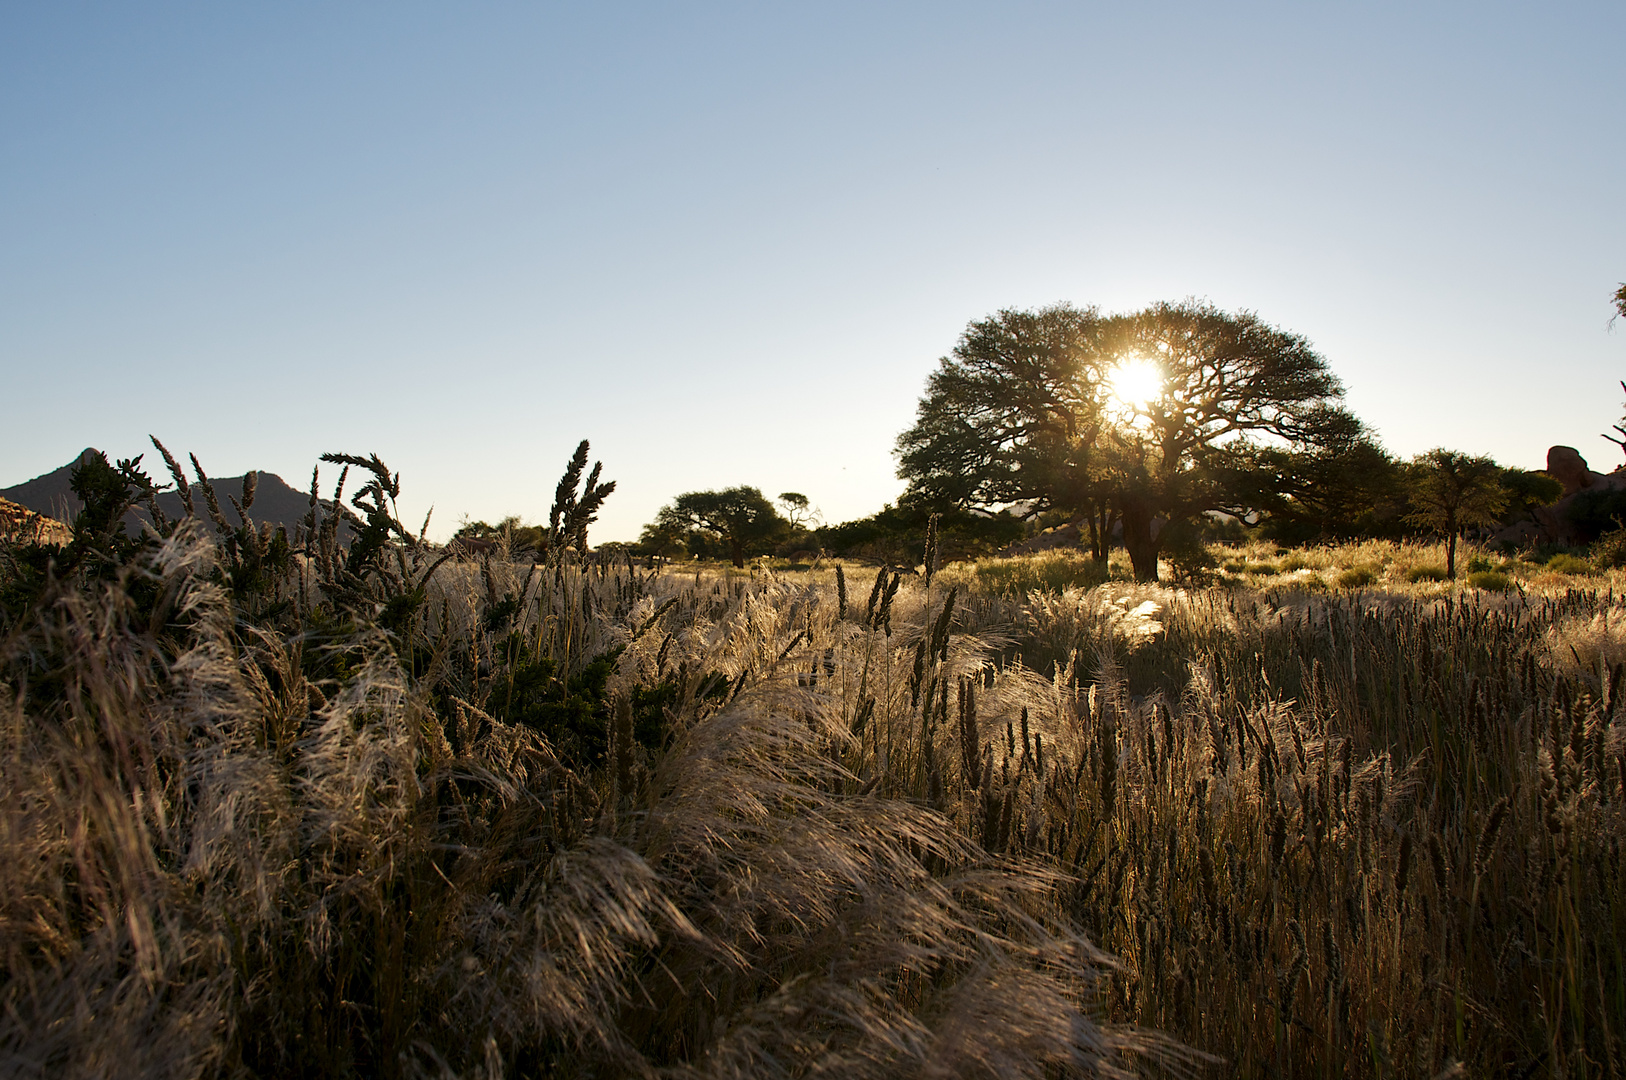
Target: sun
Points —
{"points": [[1136, 382]]}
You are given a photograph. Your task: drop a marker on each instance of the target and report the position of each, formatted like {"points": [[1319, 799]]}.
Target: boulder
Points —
{"points": [[1566, 465], [1556, 524]]}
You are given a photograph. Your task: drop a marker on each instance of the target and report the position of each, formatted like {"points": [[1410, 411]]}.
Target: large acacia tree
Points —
{"points": [[739, 518], [1013, 417], [1023, 410]]}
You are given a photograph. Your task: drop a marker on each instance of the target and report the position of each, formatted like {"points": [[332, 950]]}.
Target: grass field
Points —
{"points": [[381, 815]]}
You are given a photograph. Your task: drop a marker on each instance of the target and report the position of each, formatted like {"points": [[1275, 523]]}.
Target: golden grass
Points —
{"points": [[386, 816]]}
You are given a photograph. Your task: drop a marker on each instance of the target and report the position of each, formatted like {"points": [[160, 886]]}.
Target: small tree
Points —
{"points": [[1451, 491], [800, 513], [740, 518]]}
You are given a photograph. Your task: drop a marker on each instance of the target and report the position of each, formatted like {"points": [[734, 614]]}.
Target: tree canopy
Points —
{"points": [[739, 519], [1035, 408], [1451, 491]]}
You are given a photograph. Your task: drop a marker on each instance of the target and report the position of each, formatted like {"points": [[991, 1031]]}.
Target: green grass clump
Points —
{"points": [[1490, 580], [1356, 577], [1048, 571], [1426, 572], [1564, 563]]}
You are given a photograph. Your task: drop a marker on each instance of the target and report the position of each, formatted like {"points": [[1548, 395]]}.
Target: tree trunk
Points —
{"points": [[1099, 513], [736, 552], [1139, 541]]}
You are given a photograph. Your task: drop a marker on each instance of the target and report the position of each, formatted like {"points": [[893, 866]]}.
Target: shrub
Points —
{"points": [[1490, 580], [1426, 572], [1263, 569], [1356, 577], [1185, 548], [1569, 564], [1479, 563], [1610, 550]]}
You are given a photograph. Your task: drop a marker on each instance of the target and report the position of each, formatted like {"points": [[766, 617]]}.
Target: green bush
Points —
{"points": [[1426, 573], [1262, 569], [1356, 577], [1569, 564], [1479, 564], [1490, 580]]}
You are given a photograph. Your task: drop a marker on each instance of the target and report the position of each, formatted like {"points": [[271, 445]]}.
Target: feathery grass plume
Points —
{"points": [[1403, 866], [930, 560], [875, 596], [970, 738], [181, 486], [564, 495], [884, 616], [841, 592], [1487, 836], [209, 499]]}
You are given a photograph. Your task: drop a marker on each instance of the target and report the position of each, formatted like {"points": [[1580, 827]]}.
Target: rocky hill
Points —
{"points": [[274, 500]]}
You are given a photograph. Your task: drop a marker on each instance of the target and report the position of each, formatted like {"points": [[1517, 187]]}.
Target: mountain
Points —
{"points": [[274, 500]]}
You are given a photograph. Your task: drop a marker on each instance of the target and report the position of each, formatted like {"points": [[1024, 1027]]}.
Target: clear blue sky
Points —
{"points": [[728, 242]]}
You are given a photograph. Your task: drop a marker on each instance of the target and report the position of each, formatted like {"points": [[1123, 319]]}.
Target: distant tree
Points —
{"points": [[1451, 491], [1341, 491], [739, 518], [1526, 490], [799, 511], [510, 531], [897, 534]]}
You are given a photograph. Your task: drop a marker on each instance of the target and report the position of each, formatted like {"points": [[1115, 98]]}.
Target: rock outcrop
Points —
{"points": [[1566, 465], [20, 525], [1559, 523]]}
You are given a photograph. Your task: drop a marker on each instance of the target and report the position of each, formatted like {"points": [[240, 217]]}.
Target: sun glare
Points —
{"points": [[1136, 383]]}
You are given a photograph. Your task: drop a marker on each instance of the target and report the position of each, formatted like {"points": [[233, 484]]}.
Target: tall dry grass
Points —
{"points": [[296, 806]]}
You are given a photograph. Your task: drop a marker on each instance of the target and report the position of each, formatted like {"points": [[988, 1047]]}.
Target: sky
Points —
{"points": [[728, 242]]}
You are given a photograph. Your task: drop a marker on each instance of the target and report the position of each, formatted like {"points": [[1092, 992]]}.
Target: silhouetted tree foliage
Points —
{"points": [[1339, 492], [739, 519], [897, 534], [1527, 489], [1020, 413]]}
